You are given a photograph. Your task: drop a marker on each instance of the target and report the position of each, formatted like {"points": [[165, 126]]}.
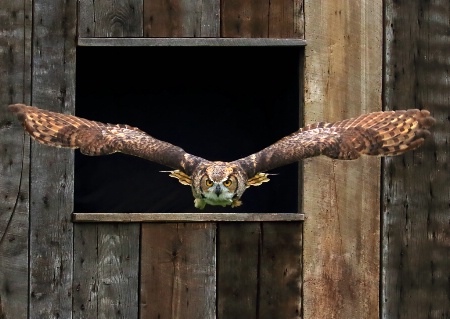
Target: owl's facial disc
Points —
{"points": [[218, 183], [219, 191]]}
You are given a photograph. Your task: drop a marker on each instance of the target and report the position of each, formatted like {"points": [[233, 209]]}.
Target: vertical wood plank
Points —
{"points": [[178, 271], [15, 87], [248, 284], [281, 270], [51, 184], [259, 270], [187, 289], [181, 18], [109, 289], [416, 249], [286, 19], [238, 267], [244, 19], [341, 232], [262, 19], [107, 259], [104, 18]]}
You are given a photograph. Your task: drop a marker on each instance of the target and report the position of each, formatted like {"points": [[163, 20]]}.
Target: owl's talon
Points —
{"points": [[199, 203], [236, 203]]}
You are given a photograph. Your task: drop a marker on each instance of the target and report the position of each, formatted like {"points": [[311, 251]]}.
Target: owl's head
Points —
{"points": [[218, 183]]}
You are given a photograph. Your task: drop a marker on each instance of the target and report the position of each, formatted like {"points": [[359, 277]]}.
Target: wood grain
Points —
{"points": [[178, 268], [281, 270], [102, 18], [260, 271], [182, 217], [262, 19], [191, 42], [51, 188], [415, 202], [251, 281], [15, 87], [341, 231], [107, 263], [181, 18], [238, 264], [117, 282], [187, 288]]}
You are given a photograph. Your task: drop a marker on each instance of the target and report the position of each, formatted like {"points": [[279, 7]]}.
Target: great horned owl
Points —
{"points": [[223, 183]]}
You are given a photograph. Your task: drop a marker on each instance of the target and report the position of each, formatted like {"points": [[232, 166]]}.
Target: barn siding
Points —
{"points": [[183, 18], [341, 199], [51, 189], [247, 283], [341, 251], [106, 257], [103, 18], [15, 86], [416, 196], [188, 287]]}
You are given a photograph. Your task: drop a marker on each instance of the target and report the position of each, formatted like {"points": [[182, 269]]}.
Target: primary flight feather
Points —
{"points": [[223, 183]]}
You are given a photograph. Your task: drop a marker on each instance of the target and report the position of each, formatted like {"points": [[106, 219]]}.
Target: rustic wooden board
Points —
{"points": [[105, 281], [341, 230], [247, 288], [194, 266], [191, 42], [238, 270], [260, 266], [262, 19], [181, 217], [103, 18], [178, 268], [281, 270], [181, 18], [15, 87], [51, 184], [416, 263]]}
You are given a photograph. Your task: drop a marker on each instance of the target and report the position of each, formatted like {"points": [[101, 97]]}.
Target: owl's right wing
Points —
{"points": [[377, 133], [96, 138]]}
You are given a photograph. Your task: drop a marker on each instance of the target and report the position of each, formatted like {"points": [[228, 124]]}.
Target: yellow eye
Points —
{"points": [[227, 183], [209, 183]]}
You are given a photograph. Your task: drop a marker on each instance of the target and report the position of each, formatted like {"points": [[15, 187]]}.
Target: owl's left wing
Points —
{"points": [[96, 138], [378, 133]]}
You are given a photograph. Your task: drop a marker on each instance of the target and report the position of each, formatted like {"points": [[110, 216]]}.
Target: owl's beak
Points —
{"points": [[218, 190]]}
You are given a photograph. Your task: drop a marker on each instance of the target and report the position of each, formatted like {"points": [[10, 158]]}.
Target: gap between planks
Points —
{"points": [[183, 217]]}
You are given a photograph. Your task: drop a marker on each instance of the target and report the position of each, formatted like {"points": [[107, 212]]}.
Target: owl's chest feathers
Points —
{"points": [[214, 200]]}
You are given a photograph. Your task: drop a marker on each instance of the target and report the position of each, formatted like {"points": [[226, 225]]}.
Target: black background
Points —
{"points": [[218, 103]]}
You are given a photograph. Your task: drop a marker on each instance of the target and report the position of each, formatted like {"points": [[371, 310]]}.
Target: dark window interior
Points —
{"points": [[220, 103]]}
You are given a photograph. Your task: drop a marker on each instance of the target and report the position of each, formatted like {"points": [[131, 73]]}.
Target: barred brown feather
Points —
{"points": [[377, 133], [96, 138], [222, 183]]}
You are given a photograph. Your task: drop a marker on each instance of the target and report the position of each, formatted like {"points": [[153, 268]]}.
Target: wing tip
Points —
{"points": [[19, 110]]}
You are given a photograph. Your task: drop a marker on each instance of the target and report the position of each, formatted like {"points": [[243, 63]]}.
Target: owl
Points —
{"points": [[223, 183]]}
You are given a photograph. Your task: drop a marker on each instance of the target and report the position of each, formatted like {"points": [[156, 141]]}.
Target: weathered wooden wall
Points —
{"points": [[39, 246], [416, 187], [179, 266], [15, 85], [341, 199], [106, 256], [51, 171]]}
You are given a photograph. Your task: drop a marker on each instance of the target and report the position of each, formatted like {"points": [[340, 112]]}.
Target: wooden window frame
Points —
{"points": [[79, 217]]}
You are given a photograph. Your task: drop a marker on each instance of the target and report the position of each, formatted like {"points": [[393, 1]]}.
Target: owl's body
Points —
{"points": [[223, 183]]}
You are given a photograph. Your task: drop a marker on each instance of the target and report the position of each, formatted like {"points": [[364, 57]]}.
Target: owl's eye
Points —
{"points": [[209, 183], [227, 183]]}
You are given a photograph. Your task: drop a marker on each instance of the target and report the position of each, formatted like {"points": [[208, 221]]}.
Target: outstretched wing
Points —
{"points": [[378, 133], [95, 138]]}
